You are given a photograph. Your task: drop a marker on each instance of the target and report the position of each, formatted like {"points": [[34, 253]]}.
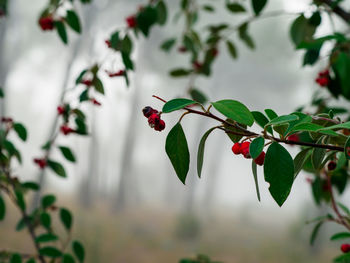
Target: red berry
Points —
{"points": [[345, 248], [160, 126], [40, 162], [131, 21], [6, 119], [66, 129], [323, 78], [87, 82], [245, 149], [153, 120], [293, 138], [46, 23], [148, 111], [182, 49], [108, 43], [331, 165], [236, 148], [214, 52], [60, 110], [95, 102], [116, 74], [260, 159], [197, 65]]}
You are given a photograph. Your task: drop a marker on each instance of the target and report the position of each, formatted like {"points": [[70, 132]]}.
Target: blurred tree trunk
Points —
{"points": [[89, 182], [88, 18], [127, 189]]}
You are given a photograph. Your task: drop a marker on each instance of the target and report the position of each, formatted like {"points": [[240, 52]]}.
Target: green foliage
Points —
{"points": [[177, 150], [200, 154], [279, 172], [176, 104]]}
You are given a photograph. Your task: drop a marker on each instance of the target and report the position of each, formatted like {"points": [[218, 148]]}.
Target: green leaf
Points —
{"points": [[66, 218], [127, 61], [256, 147], [341, 68], [168, 44], [231, 49], [67, 259], [67, 153], [318, 155], [31, 185], [279, 172], [177, 150], [198, 96], [57, 168], [245, 37], [234, 110], [208, 8], [16, 258], [255, 174], [347, 148], [126, 45], [98, 85], [162, 13], [78, 250], [2, 208], [48, 237], [48, 200], [61, 30], [345, 258], [80, 77], [2, 94], [258, 6], [72, 20], [301, 30], [45, 220], [271, 114], [345, 125], [50, 252], [20, 130], [32, 260], [339, 236], [261, 120], [300, 160], [344, 208], [146, 18], [235, 7], [200, 154], [20, 200], [180, 72], [315, 232], [282, 120], [176, 104]]}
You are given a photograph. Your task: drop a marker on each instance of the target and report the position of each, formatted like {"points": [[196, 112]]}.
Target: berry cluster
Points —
{"points": [[243, 148], [323, 78], [154, 120], [41, 162], [345, 248], [46, 23]]}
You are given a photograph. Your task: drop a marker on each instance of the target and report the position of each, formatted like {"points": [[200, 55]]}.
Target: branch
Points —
{"points": [[337, 10]]}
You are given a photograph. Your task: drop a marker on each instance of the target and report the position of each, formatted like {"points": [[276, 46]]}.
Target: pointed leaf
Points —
{"points": [[255, 174], [200, 154], [176, 104], [258, 6], [177, 150], [256, 147], [279, 172]]}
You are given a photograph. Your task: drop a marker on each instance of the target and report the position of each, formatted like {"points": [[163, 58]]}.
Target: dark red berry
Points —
{"points": [[160, 126], [331, 165], [108, 43], [214, 52], [131, 21], [95, 102], [6, 119], [260, 159], [345, 248], [197, 65], [153, 120], [236, 148], [148, 111], [323, 78], [41, 162], [87, 82], [46, 23], [60, 110], [65, 129], [116, 74], [293, 138], [245, 149], [182, 49]]}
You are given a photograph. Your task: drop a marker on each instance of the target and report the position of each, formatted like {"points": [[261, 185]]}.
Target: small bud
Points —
{"points": [[60, 110], [41, 162], [95, 102], [65, 129], [87, 82]]}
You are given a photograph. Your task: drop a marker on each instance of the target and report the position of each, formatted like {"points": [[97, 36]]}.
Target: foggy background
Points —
{"points": [[127, 202]]}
